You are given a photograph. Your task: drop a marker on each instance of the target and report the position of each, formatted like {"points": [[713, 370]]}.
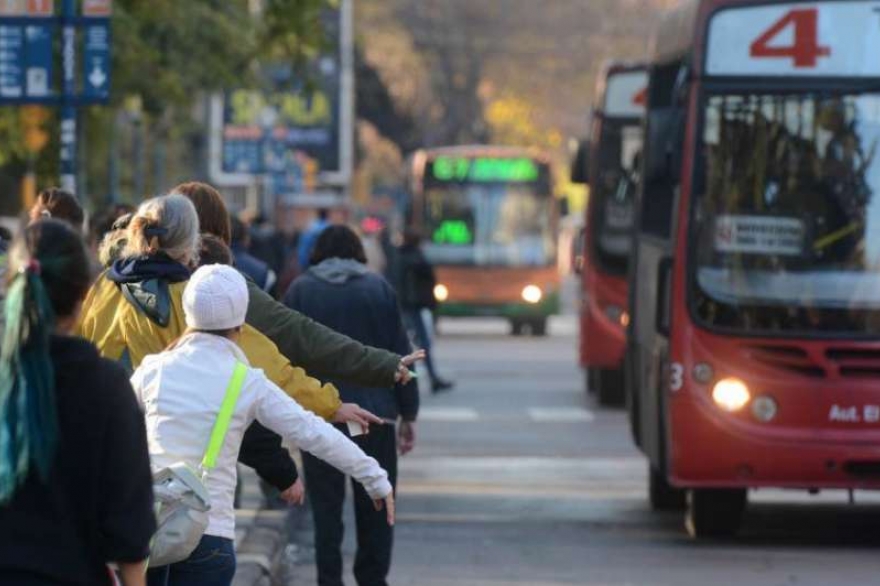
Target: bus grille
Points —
{"points": [[861, 362], [789, 358], [863, 469]]}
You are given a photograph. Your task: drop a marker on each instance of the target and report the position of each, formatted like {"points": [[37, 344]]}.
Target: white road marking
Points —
{"points": [[561, 415], [533, 414], [614, 478], [448, 414], [622, 478]]}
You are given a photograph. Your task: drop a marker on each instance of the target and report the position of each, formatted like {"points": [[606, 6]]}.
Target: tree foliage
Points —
{"points": [[514, 71]]}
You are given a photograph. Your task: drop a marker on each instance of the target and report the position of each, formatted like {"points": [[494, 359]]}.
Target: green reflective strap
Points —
{"points": [[221, 426]]}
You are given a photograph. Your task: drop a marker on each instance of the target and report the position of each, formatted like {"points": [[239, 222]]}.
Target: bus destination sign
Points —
{"points": [[797, 39], [625, 94], [484, 170]]}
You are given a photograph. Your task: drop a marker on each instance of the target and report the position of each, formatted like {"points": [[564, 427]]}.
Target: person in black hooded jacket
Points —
{"points": [[340, 292]]}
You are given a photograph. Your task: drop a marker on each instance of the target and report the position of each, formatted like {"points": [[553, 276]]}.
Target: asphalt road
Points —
{"points": [[518, 478]]}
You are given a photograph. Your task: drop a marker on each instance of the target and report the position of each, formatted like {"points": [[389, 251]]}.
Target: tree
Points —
{"points": [[464, 54], [514, 71], [376, 106]]}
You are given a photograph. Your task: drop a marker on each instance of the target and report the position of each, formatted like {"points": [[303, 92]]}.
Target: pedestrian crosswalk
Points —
{"points": [[578, 478], [560, 415], [448, 414], [532, 414]]}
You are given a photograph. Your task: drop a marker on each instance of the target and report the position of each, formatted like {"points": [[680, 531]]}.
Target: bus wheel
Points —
{"points": [[714, 512], [664, 496], [609, 385], [517, 327], [538, 326]]}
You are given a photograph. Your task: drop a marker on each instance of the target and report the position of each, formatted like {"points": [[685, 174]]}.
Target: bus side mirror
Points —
{"points": [[580, 165]]}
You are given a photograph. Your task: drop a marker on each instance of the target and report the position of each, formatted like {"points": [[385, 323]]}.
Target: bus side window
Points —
{"points": [[664, 139]]}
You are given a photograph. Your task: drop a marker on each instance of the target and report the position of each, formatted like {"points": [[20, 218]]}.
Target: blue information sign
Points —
{"points": [[29, 55], [11, 57], [96, 61]]}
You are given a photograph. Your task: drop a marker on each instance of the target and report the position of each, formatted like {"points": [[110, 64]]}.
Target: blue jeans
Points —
{"points": [[211, 564]]}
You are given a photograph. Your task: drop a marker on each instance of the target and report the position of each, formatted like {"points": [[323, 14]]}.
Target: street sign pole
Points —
{"points": [[68, 109]]}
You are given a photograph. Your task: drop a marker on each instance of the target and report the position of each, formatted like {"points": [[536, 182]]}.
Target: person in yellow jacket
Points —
{"points": [[135, 309]]}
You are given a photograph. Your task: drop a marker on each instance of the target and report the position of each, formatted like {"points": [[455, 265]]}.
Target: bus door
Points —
{"points": [[647, 371]]}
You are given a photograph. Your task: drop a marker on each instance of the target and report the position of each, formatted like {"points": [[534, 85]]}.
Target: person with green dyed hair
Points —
{"points": [[75, 480]]}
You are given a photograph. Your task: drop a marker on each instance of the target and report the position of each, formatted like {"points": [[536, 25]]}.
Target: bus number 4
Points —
{"points": [[805, 51]]}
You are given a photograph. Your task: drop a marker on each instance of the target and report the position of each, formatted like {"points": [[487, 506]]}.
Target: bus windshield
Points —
{"points": [[614, 192], [493, 224], [787, 218]]}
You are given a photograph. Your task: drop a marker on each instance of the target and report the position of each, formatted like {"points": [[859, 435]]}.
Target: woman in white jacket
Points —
{"points": [[181, 391]]}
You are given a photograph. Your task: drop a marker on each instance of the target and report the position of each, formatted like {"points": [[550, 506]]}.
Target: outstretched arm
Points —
{"points": [[322, 351], [314, 435]]}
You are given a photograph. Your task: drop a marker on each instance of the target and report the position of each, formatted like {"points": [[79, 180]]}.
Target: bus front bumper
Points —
{"points": [[548, 306], [712, 450]]}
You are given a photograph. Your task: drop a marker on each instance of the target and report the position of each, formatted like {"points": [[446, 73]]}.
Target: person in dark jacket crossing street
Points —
{"points": [[340, 292], [416, 289]]}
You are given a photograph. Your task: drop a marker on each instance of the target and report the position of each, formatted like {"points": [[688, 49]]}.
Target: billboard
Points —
{"points": [[269, 132]]}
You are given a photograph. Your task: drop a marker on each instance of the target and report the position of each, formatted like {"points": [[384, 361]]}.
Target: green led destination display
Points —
{"points": [[485, 170], [454, 232]]}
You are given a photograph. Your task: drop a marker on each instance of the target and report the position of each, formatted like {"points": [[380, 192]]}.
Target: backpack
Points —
{"points": [[181, 499]]}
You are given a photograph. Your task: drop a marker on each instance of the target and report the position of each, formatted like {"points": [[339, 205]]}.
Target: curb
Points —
{"points": [[260, 555], [261, 537]]}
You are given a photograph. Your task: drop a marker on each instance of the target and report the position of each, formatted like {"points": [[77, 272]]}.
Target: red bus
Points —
{"points": [[609, 164], [753, 358]]}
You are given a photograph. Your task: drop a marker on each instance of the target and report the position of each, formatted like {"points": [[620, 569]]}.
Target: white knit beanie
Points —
{"points": [[216, 298]]}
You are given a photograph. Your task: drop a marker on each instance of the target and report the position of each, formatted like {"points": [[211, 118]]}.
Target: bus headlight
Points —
{"points": [[441, 292], [617, 314], [532, 294], [731, 394]]}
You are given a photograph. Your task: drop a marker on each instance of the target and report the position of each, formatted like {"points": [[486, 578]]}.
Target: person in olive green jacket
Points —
{"points": [[323, 352]]}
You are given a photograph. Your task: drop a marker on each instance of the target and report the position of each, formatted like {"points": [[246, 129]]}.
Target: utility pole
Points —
{"points": [[68, 108]]}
